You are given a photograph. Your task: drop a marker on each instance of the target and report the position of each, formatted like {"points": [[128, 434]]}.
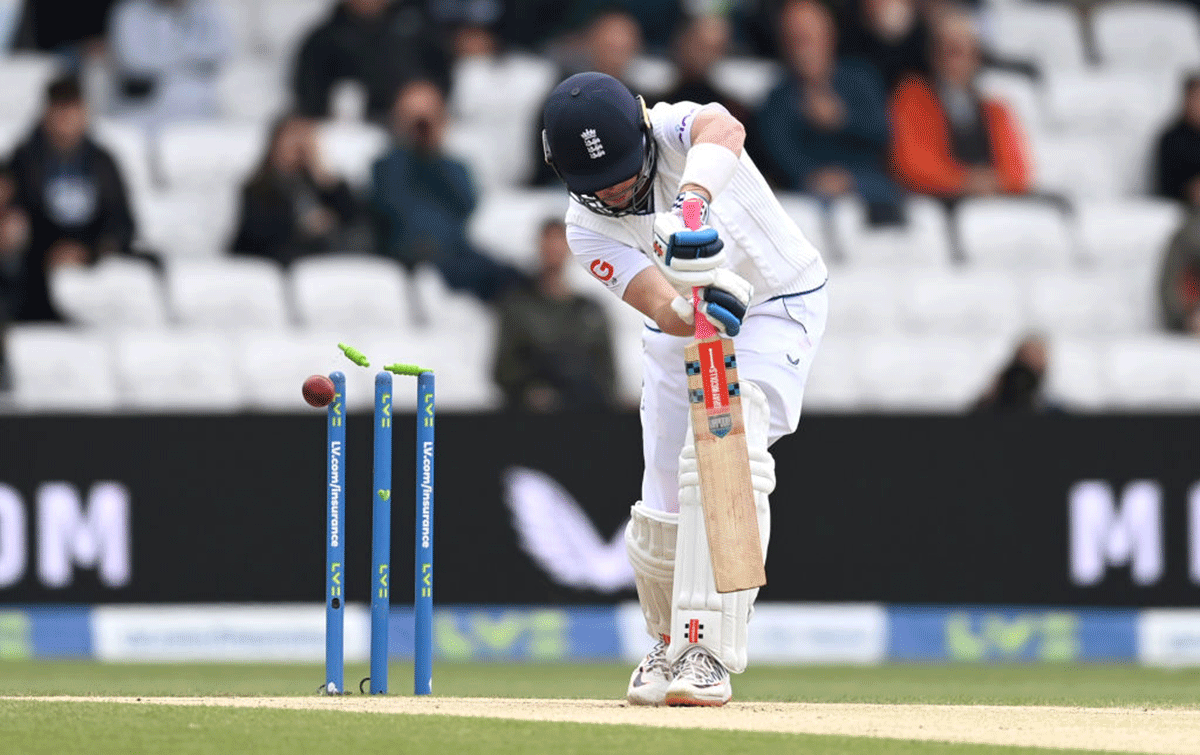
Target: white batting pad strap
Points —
{"points": [[650, 544], [711, 166]]}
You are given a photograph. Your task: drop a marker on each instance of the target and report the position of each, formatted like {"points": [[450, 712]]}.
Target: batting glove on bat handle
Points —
{"points": [[723, 303], [686, 249]]}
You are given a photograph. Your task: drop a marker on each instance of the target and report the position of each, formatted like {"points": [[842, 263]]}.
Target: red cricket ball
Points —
{"points": [[318, 390]]}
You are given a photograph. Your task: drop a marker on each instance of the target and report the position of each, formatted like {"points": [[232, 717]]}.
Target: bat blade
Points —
{"points": [[726, 492]]}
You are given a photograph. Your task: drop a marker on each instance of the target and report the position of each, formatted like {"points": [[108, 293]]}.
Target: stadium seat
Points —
{"points": [[272, 365], [1022, 97], [1131, 233], [503, 94], [177, 370], [212, 154], [130, 147], [118, 291], [926, 373], [350, 291], [1105, 100], [833, 382], [462, 363], [23, 80], [1074, 379], [285, 24], [747, 79], [1086, 304], [1154, 373], [227, 293], [649, 75], [188, 223], [1049, 35], [60, 368], [810, 216], [349, 149], [1014, 234], [922, 241], [864, 301], [1147, 34], [627, 326], [962, 303], [507, 222], [12, 133], [252, 89], [1076, 167]]}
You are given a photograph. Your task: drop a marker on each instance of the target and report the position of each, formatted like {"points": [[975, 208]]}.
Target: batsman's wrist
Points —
{"points": [[709, 167]]}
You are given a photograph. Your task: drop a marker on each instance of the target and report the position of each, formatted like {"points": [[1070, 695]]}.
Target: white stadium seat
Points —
{"points": [[174, 370], [227, 293], [650, 75], [1020, 95], [807, 213], [1154, 373], [23, 80], [204, 155], [285, 23], [499, 99], [926, 373], [1013, 234], [272, 366], [1074, 376], [1086, 304], [1047, 34], [349, 149], [749, 80], [350, 291], [188, 223], [922, 241], [864, 301], [118, 291], [507, 223], [252, 89], [1076, 167], [1106, 100], [130, 147], [962, 302], [60, 368], [462, 362], [1147, 34], [833, 382], [1131, 233]]}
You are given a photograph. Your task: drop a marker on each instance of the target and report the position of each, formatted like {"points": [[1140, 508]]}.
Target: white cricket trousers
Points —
{"points": [[775, 350]]}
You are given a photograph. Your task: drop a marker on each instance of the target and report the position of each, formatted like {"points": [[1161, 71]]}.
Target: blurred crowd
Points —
{"points": [[877, 100]]}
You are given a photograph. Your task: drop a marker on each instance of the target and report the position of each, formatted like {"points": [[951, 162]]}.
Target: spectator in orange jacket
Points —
{"points": [[947, 139]]}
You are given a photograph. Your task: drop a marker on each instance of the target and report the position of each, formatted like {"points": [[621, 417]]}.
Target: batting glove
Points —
{"points": [[686, 256], [723, 303]]}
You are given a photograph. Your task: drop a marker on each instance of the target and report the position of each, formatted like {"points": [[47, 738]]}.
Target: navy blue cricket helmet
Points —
{"points": [[596, 134]]}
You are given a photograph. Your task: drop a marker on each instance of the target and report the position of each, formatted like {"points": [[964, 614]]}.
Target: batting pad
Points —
{"points": [[701, 615], [650, 543]]}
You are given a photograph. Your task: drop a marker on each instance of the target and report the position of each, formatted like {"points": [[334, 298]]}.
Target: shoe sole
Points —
{"points": [[681, 701]]}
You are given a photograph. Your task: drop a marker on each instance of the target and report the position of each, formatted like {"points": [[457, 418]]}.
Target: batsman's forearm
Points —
{"points": [[651, 294]]}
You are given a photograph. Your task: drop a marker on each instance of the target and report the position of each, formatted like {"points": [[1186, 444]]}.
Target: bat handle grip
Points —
{"points": [[704, 328], [693, 216]]}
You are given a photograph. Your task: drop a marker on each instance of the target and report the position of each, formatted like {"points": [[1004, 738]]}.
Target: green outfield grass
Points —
{"points": [[32, 728], [1087, 685]]}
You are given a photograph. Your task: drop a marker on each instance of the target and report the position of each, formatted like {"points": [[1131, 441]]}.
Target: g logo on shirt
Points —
{"points": [[602, 270]]}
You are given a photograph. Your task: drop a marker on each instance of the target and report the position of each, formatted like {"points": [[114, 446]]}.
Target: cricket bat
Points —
{"points": [[726, 495]]}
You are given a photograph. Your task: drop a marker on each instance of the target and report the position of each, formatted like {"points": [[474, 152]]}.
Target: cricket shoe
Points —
{"points": [[648, 685], [699, 679]]}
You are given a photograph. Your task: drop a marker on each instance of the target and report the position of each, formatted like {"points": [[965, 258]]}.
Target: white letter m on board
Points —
{"points": [[1105, 532], [71, 533]]}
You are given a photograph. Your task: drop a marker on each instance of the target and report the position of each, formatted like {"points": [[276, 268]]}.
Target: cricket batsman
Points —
{"points": [[629, 171]]}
